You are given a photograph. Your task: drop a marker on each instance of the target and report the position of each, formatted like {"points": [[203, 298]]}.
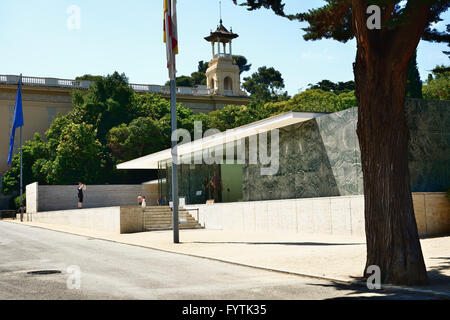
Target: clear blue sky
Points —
{"points": [[127, 36]]}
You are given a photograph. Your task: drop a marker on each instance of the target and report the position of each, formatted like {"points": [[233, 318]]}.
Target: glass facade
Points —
{"points": [[198, 183]]}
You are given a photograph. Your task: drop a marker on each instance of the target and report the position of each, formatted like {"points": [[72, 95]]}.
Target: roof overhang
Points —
{"points": [[151, 161]]}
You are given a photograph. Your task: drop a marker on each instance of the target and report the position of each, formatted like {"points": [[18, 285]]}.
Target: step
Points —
{"points": [[170, 228], [169, 224], [160, 218]]}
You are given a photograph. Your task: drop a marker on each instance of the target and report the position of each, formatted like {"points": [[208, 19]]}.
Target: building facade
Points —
{"points": [[318, 156]]}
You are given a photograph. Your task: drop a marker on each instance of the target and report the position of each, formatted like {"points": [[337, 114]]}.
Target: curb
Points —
{"points": [[384, 287]]}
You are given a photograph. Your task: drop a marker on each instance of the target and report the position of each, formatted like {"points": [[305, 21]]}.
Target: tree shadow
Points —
{"points": [[281, 243], [439, 282], [354, 292], [439, 275]]}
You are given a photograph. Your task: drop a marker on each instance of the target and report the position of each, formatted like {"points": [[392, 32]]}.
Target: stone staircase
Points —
{"points": [[160, 218]]}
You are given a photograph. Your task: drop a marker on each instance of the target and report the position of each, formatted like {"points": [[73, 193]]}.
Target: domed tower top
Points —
{"points": [[223, 76], [221, 35]]}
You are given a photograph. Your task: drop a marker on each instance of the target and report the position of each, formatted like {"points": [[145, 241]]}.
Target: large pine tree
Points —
{"points": [[380, 70]]}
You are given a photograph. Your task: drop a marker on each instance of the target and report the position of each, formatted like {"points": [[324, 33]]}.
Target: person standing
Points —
{"points": [[144, 202], [216, 186], [206, 189], [81, 188]]}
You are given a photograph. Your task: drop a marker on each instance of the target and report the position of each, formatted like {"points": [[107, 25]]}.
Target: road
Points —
{"points": [[110, 270]]}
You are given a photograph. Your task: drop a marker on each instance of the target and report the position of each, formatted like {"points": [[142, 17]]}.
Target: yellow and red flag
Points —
{"points": [[171, 35]]}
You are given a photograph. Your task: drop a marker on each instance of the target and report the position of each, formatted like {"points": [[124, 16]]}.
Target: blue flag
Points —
{"points": [[18, 119]]}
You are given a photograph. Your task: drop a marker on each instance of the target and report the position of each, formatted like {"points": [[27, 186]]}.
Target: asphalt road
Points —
{"points": [[115, 271]]}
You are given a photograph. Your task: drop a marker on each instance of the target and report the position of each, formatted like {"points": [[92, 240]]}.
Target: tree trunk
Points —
{"points": [[391, 229]]}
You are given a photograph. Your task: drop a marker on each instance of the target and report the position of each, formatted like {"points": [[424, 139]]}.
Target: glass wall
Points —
{"points": [[198, 183]]}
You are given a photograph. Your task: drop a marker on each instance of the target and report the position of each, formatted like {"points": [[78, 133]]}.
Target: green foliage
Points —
{"points": [[438, 88], [337, 88], [314, 100], [79, 156], [242, 63], [232, 117], [151, 105], [414, 84], [182, 81], [334, 19], [16, 200], [198, 78], [440, 69], [108, 103], [265, 85], [141, 137], [31, 150], [203, 66], [89, 77]]}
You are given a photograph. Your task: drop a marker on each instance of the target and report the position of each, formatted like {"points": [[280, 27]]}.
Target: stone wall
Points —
{"points": [[321, 157], [115, 220], [32, 197], [429, 147], [52, 198], [341, 216]]}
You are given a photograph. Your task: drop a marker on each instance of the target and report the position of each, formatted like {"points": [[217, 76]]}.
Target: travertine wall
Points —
{"points": [[115, 220], [52, 198], [328, 215], [32, 197]]}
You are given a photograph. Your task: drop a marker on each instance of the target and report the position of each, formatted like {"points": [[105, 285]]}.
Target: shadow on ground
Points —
{"points": [[439, 281], [356, 292], [283, 243]]}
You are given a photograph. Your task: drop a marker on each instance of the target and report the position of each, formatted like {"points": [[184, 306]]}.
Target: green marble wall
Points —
{"points": [[429, 147], [321, 157]]}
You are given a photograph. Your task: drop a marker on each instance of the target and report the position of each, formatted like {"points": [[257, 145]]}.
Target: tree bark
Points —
{"points": [[380, 70], [391, 229]]}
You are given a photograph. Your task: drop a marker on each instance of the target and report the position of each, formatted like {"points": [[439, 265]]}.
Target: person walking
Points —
{"points": [[81, 188]]}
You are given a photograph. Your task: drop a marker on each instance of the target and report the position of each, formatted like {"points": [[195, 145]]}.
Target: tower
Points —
{"points": [[223, 77]]}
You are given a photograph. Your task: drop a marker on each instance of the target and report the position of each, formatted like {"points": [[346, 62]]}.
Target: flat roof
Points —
{"points": [[151, 161]]}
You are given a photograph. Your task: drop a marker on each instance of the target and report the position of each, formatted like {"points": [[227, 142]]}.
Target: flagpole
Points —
{"points": [[175, 200], [21, 179], [21, 162], [173, 119]]}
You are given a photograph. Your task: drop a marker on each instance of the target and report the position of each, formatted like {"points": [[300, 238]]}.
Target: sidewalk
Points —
{"points": [[329, 257]]}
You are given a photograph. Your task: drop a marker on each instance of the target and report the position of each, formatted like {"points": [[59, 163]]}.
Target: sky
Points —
{"points": [[126, 36]]}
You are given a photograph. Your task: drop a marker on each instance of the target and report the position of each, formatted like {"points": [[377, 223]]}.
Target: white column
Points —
{"points": [[213, 51], [231, 51]]}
